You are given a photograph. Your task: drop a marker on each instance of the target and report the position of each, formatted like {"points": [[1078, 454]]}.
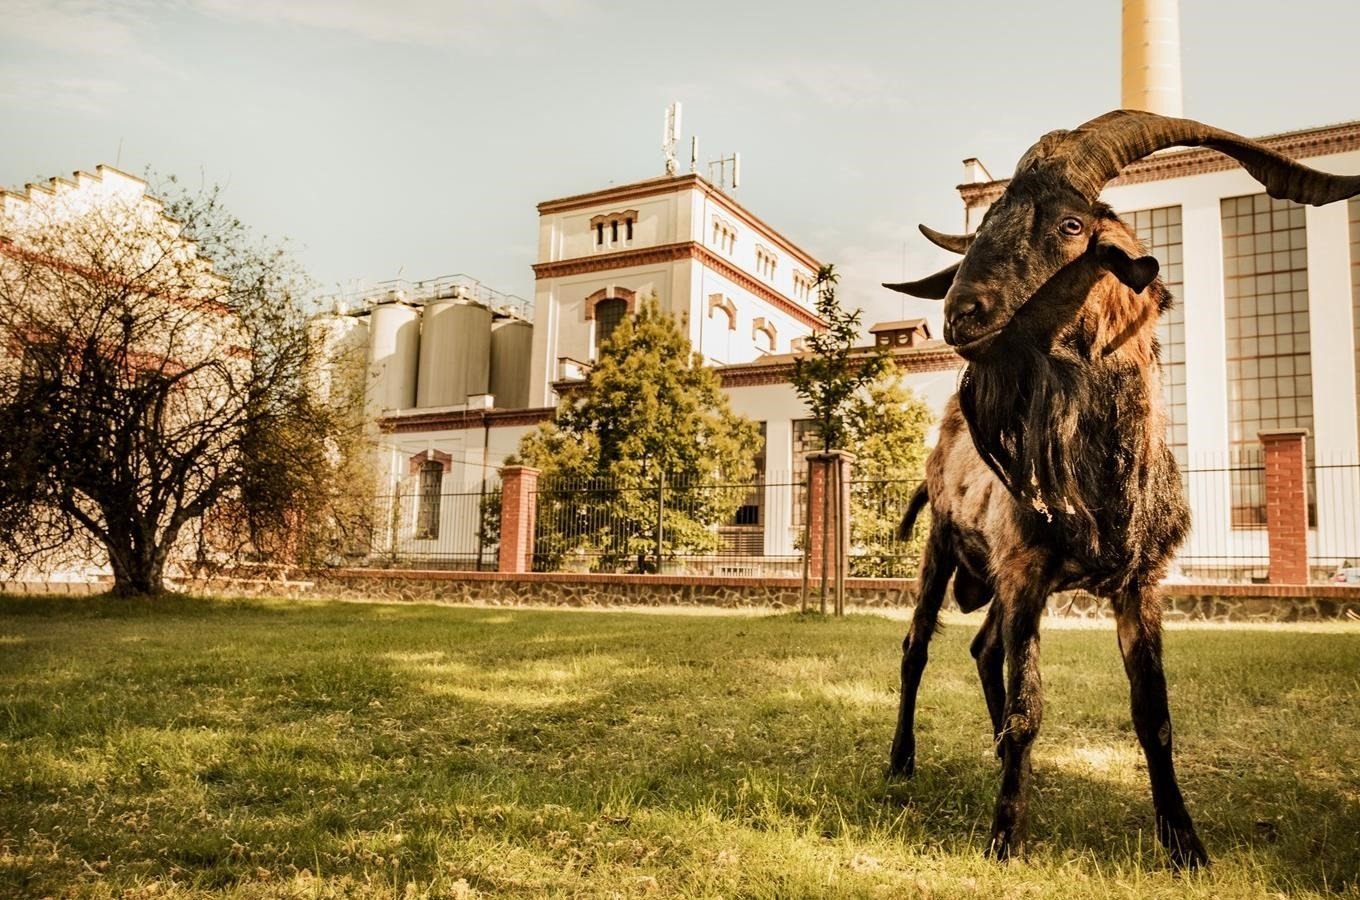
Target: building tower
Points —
{"points": [[1152, 56]]}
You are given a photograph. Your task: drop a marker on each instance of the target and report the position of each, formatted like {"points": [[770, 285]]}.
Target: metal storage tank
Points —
{"points": [[340, 342], [455, 353], [512, 347], [393, 351]]}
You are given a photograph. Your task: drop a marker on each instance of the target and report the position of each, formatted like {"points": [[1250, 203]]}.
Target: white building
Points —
{"points": [[740, 289], [742, 292]]}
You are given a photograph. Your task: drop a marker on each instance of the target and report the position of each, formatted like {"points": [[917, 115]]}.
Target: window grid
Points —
{"points": [[1160, 231], [1265, 287], [608, 314], [1354, 207], [807, 438], [431, 486]]}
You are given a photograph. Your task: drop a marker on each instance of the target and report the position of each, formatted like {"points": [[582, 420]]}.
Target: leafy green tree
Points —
{"points": [[888, 440], [649, 435], [854, 395], [833, 372]]}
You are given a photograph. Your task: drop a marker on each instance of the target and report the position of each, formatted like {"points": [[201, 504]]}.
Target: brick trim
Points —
{"points": [[604, 262], [671, 184], [718, 301], [418, 461], [613, 292]]}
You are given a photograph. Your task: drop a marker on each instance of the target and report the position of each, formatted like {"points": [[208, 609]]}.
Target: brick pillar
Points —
{"points": [[822, 469], [519, 496], [1287, 504]]}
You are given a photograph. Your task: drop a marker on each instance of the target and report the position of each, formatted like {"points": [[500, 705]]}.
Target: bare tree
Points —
{"points": [[152, 377]]}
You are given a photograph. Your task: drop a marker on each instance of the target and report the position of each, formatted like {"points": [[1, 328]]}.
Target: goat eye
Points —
{"points": [[1070, 225]]}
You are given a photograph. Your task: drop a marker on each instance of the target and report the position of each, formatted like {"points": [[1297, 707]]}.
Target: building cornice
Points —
{"points": [[667, 253], [779, 369], [673, 185], [1313, 142], [463, 420]]}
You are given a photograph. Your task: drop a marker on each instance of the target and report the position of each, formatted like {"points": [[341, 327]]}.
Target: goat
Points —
{"points": [[1052, 471]]}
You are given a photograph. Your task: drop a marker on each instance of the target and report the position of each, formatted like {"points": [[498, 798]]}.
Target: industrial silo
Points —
{"points": [[339, 343], [393, 353], [512, 346], [455, 353]]}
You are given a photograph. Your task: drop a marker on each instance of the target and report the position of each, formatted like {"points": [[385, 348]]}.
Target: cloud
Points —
{"points": [[827, 82], [82, 28], [466, 23], [92, 96]]}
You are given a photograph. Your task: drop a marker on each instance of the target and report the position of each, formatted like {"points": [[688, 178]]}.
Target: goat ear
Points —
{"points": [[932, 287], [1135, 271]]}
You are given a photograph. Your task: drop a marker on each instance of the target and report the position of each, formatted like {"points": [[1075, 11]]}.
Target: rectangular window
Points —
{"points": [[807, 438], [1354, 207], [599, 235], [628, 232], [1265, 292], [1160, 231], [614, 231]]}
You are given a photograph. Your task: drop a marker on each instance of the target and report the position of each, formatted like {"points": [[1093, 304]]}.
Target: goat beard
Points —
{"points": [[1052, 431]]}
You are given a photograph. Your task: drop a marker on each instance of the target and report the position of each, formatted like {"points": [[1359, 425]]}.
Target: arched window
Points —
{"points": [[431, 489], [608, 314]]}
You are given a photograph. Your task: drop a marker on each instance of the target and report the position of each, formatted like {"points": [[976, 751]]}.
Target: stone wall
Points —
{"points": [[1227, 603]]}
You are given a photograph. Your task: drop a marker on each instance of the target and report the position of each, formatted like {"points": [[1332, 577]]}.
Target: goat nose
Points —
{"points": [[965, 308], [964, 303]]}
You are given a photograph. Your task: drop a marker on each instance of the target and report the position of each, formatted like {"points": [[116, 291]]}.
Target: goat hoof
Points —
{"points": [[1004, 846], [1187, 853], [902, 769]]}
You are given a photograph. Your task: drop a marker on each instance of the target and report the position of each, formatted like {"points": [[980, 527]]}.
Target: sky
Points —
{"points": [[414, 138]]}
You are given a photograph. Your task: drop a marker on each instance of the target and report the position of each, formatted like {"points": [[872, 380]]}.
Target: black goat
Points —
{"points": [[1052, 470]]}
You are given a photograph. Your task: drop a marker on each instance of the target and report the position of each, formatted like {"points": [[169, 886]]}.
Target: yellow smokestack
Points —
{"points": [[1152, 56]]}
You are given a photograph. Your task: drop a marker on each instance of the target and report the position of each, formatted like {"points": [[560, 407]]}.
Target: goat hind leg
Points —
{"points": [[1140, 643], [937, 564]]}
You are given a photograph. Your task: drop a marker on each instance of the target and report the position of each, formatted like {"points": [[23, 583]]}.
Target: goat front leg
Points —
{"points": [[937, 564], [989, 652], [1140, 643], [1020, 726]]}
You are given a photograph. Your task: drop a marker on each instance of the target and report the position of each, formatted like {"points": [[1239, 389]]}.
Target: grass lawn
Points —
{"points": [[183, 747]]}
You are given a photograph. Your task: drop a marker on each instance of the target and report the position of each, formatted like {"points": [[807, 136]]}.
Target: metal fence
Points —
{"points": [[1229, 540], [668, 525], [426, 526], [758, 529]]}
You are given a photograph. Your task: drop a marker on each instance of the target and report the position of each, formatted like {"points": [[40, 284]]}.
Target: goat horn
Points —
{"points": [[1095, 152], [932, 287], [954, 243]]}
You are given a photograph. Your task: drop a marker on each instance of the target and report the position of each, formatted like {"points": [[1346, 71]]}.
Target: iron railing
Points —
{"points": [[758, 529], [438, 529], [667, 525]]}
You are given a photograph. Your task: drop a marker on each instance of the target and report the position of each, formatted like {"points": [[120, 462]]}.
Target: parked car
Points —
{"points": [[1347, 573]]}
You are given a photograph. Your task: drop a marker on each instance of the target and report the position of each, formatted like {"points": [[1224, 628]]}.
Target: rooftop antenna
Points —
{"points": [[725, 172], [694, 154], [670, 133]]}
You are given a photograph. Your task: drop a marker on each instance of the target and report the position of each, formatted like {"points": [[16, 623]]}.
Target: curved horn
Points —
{"points": [[1095, 152], [954, 243], [932, 287]]}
